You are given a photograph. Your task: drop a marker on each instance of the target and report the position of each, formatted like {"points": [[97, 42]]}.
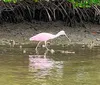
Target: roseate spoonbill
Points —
{"points": [[45, 37]]}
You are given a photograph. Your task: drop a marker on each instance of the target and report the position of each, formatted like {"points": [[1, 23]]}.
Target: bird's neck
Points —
{"points": [[58, 34]]}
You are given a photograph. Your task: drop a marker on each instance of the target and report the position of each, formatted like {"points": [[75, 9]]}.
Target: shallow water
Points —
{"points": [[22, 66]]}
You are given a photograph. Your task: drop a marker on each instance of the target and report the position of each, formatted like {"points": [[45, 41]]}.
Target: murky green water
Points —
{"points": [[24, 67]]}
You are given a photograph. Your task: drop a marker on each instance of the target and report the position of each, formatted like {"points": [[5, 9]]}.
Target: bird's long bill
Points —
{"points": [[68, 38]]}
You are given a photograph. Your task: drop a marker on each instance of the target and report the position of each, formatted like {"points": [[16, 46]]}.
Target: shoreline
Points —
{"points": [[21, 32]]}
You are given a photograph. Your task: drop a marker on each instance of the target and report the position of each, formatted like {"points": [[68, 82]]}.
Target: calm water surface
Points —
{"points": [[25, 67]]}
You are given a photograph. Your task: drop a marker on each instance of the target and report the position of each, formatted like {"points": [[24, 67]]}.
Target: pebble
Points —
{"points": [[12, 43], [24, 51], [20, 46], [52, 51]]}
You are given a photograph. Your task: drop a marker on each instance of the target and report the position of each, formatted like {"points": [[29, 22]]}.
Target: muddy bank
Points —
{"points": [[21, 33]]}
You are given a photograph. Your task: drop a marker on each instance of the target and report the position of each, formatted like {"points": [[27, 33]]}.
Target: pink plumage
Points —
{"points": [[42, 37]]}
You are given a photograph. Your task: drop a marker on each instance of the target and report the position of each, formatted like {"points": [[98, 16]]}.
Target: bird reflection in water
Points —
{"points": [[42, 66]]}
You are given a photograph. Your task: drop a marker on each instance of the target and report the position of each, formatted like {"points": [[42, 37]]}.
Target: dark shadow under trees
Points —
{"points": [[48, 11]]}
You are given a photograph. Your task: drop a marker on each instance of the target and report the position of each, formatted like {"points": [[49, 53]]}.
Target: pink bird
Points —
{"points": [[44, 37]]}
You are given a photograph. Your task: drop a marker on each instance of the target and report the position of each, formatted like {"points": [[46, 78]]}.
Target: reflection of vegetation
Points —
{"points": [[71, 11]]}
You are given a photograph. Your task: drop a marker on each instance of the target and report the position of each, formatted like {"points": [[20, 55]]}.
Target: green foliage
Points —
{"points": [[7, 1], [15, 1], [76, 3], [35, 0], [84, 3]]}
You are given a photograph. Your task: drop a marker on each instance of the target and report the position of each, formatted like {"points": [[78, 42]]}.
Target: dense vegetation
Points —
{"points": [[69, 11]]}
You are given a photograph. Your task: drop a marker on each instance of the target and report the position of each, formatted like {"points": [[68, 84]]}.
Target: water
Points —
{"points": [[25, 67]]}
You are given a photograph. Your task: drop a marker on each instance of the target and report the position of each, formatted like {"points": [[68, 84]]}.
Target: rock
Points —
{"points": [[52, 51], [97, 39]]}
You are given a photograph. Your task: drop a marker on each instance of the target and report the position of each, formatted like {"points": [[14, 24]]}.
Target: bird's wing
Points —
{"points": [[44, 36]]}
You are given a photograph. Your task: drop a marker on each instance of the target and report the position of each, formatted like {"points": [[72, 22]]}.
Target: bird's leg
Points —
{"points": [[46, 45], [45, 53], [37, 47]]}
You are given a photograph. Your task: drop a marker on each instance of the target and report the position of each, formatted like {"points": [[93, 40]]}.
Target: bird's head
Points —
{"points": [[31, 39], [62, 32]]}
